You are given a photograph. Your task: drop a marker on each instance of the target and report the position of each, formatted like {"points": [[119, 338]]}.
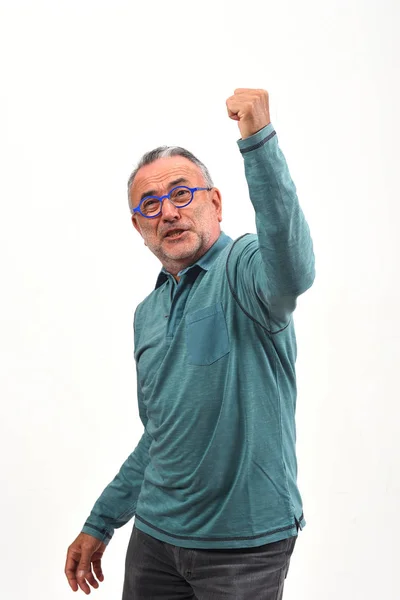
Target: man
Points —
{"points": [[212, 481]]}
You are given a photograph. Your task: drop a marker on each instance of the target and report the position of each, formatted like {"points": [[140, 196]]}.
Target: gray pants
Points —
{"points": [[155, 570]]}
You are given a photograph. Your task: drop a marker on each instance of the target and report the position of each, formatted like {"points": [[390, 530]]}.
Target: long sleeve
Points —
{"points": [[117, 503], [278, 264]]}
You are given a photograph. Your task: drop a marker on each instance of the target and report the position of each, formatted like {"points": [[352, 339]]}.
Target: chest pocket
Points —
{"points": [[207, 337]]}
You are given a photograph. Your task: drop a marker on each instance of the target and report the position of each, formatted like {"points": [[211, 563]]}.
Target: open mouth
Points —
{"points": [[175, 235]]}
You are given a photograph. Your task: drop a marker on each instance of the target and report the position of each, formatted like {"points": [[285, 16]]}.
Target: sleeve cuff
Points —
{"points": [[101, 534], [257, 139]]}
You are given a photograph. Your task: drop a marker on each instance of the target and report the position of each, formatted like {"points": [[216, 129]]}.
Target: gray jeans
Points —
{"points": [[155, 570]]}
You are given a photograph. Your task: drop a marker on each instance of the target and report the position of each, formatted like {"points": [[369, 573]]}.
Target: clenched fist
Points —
{"points": [[250, 108]]}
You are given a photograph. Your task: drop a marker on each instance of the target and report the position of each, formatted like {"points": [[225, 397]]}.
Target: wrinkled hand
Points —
{"points": [[83, 554], [250, 108]]}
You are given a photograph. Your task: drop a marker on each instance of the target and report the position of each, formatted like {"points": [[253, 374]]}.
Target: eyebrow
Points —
{"points": [[170, 185]]}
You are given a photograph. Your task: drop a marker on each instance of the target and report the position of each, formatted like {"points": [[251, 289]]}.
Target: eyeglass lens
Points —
{"points": [[179, 196]]}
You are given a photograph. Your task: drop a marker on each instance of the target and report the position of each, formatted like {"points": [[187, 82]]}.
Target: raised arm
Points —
{"points": [[276, 266]]}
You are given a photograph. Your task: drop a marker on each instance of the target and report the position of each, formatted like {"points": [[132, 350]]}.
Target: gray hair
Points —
{"points": [[166, 152]]}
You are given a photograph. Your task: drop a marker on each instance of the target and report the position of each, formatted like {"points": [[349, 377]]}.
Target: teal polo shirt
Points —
{"points": [[215, 357]]}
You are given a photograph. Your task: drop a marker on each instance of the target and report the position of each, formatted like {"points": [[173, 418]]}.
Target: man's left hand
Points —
{"points": [[250, 108]]}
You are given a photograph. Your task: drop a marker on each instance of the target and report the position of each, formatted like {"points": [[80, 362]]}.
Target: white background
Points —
{"points": [[86, 88]]}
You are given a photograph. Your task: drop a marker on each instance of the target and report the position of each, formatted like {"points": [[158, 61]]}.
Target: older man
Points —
{"points": [[212, 481]]}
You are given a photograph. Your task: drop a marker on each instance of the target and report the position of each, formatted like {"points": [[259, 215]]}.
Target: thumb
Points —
{"points": [[233, 115], [85, 562], [84, 575]]}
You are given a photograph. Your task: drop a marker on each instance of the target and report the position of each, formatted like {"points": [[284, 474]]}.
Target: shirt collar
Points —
{"points": [[204, 262]]}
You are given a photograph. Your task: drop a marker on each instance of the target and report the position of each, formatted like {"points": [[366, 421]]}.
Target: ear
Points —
{"points": [[216, 199], [135, 223]]}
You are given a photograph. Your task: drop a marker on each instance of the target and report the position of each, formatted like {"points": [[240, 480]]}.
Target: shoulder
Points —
{"points": [[243, 250]]}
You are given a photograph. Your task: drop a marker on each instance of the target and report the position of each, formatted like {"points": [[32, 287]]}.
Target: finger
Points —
{"points": [[238, 109], [85, 577], [81, 580], [233, 115], [98, 570], [249, 91], [233, 109], [70, 570], [244, 93]]}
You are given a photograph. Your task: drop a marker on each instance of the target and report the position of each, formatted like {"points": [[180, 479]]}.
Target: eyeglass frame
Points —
{"points": [[162, 198]]}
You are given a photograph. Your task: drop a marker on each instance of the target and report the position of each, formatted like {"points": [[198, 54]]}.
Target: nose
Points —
{"points": [[169, 212]]}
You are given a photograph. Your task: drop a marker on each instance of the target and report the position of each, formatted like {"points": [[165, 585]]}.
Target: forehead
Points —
{"points": [[158, 175]]}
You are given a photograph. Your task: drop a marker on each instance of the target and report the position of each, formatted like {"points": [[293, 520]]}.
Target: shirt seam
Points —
{"points": [[276, 376], [235, 297]]}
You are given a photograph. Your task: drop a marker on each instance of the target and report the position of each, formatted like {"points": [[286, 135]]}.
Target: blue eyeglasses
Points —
{"points": [[151, 206]]}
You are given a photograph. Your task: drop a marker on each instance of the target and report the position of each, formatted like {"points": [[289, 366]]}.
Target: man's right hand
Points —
{"points": [[84, 552]]}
